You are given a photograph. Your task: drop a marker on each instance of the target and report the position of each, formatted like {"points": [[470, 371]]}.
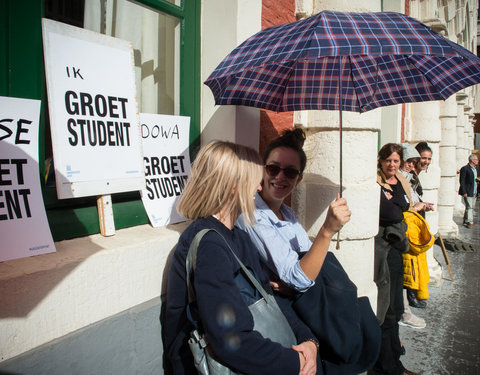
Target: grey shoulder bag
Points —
{"points": [[267, 317]]}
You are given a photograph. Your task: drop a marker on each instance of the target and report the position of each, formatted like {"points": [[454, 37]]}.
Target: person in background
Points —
{"points": [[223, 182], [410, 158], [390, 242], [422, 165], [468, 188]]}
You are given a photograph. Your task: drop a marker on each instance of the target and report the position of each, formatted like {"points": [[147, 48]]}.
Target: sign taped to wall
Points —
{"points": [[167, 165], [93, 112], [24, 229]]}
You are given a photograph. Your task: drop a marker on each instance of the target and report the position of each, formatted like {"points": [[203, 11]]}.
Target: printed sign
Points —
{"points": [[93, 112], [24, 229], [167, 165]]}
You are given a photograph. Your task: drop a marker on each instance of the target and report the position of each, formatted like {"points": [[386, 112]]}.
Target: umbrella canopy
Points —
{"points": [[382, 59]]}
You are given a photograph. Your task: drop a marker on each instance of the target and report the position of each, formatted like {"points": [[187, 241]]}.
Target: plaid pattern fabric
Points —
{"points": [[383, 59]]}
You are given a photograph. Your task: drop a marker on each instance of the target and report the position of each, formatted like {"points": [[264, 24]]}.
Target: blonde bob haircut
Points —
{"points": [[224, 175]]}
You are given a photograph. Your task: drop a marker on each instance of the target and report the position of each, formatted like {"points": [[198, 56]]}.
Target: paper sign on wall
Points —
{"points": [[24, 229], [93, 112], [167, 165]]}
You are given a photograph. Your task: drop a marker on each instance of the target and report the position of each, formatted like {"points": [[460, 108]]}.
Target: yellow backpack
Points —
{"points": [[418, 233]]}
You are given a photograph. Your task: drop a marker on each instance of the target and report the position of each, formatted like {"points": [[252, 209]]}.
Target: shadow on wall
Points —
{"points": [[321, 191], [25, 282]]}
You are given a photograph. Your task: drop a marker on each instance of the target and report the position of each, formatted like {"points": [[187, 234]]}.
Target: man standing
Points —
{"points": [[468, 188]]}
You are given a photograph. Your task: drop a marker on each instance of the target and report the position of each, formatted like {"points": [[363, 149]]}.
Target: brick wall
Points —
{"points": [[275, 12]]}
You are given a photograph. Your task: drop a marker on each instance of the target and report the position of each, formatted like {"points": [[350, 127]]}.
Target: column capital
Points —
{"points": [[437, 25], [303, 9], [461, 97]]}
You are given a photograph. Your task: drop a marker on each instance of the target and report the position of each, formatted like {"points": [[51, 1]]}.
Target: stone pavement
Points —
{"points": [[450, 344]]}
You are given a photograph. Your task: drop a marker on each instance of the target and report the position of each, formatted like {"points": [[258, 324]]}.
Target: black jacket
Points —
{"points": [[217, 291], [467, 181]]}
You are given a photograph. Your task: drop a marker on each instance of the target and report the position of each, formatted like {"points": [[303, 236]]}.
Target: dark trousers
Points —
{"points": [[388, 362]]}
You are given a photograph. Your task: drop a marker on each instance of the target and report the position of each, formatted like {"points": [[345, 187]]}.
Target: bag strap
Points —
{"points": [[191, 263]]}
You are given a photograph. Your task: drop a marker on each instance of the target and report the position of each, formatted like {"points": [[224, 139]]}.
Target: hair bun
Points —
{"points": [[423, 146], [295, 137]]}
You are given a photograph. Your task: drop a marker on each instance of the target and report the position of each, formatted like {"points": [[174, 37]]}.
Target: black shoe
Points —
{"points": [[413, 301], [408, 372]]}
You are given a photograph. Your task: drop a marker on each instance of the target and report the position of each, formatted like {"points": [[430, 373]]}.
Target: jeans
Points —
{"points": [[469, 203]]}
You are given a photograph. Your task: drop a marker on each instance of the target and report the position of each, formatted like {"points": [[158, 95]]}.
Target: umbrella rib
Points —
{"points": [[363, 106], [282, 95], [412, 62]]}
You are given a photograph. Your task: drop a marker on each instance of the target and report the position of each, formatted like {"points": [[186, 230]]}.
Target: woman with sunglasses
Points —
{"points": [[281, 240], [224, 178], [327, 301]]}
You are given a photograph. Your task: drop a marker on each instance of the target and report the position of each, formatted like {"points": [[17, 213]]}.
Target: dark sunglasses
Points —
{"points": [[273, 170]]}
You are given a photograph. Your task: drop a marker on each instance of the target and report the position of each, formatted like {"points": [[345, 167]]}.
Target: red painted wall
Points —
{"points": [[275, 12]]}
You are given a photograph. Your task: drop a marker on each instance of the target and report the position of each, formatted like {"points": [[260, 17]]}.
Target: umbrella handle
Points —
{"points": [[340, 90]]}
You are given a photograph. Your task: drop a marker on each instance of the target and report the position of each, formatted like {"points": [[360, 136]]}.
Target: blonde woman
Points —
{"points": [[223, 182]]}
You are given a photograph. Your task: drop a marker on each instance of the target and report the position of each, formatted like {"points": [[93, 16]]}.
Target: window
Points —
{"points": [[165, 35]]}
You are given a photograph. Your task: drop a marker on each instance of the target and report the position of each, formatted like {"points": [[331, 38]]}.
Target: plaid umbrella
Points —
{"points": [[383, 59]]}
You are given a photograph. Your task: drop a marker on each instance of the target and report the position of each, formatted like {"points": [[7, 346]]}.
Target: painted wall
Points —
{"points": [[87, 280], [225, 24]]}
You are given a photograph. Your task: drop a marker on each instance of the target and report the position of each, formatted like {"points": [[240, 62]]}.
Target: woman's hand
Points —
{"points": [[420, 206], [337, 216], [428, 206], [282, 288], [307, 352]]}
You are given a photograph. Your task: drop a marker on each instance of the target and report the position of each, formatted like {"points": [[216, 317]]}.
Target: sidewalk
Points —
{"points": [[450, 344]]}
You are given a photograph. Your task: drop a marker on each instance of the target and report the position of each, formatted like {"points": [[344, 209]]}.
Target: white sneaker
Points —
{"points": [[412, 321]]}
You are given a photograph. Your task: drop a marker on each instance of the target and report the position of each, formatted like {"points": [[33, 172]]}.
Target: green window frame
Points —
{"points": [[22, 75]]}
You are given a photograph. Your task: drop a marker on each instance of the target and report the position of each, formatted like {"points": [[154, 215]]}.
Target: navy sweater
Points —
{"points": [[223, 306]]}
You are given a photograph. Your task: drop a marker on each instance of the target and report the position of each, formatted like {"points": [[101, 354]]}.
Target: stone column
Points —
{"points": [[321, 181], [460, 153], [468, 145], [447, 162], [426, 126], [471, 122], [469, 128]]}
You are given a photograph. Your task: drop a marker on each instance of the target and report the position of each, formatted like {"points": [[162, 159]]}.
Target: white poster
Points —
{"points": [[167, 165], [24, 229], [93, 112]]}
